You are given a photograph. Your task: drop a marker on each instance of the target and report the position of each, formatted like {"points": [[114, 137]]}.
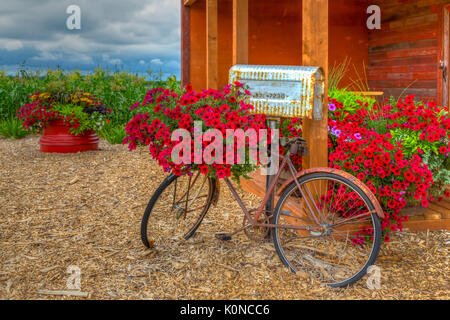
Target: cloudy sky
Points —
{"points": [[133, 35]]}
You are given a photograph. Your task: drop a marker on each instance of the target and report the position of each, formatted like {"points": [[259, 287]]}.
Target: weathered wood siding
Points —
{"points": [[405, 53], [275, 36]]}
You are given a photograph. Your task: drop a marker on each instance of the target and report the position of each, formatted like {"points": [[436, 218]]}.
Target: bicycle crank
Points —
{"points": [[256, 233]]}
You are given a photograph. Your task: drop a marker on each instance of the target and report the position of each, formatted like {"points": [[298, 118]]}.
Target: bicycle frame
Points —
{"points": [[286, 161]]}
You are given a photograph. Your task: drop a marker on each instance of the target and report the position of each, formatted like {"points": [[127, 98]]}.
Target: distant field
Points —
{"points": [[118, 90]]}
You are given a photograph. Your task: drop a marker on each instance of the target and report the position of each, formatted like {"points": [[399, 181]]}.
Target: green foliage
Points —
{"points": [[411, 141], [393, 101], [114, 134], [438, 163], [94, 121], [337, 73], [14, 92], [440, 166], [350, 100], [59, 90], [361, 83], [340, 70], [118, 90], [12, 128]]}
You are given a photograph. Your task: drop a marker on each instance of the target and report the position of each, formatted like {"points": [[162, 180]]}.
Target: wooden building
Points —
{"points": [[405, 53], [409, 54]]}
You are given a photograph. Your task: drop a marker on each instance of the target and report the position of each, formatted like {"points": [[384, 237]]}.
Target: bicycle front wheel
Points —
{"points": [[339, 233], [176, 209]]}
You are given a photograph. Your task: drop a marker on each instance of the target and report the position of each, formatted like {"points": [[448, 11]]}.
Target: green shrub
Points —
{"points": [[12, 128], [118, 90], [350, 100], [113, 133]]}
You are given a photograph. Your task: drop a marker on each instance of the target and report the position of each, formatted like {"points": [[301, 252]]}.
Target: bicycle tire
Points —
{"points": [[154, 199], [375, 219]]}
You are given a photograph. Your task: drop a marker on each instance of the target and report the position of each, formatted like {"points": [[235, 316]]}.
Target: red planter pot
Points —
{"points": [[57, 138]]}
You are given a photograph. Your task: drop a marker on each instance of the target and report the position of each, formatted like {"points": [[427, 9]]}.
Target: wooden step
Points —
{"points": [[413, 218], [443, 204], [432, 215]]}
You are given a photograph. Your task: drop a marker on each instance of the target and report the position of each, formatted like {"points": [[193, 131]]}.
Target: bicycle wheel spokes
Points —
{"points": [[177, 211], [332, 250]]}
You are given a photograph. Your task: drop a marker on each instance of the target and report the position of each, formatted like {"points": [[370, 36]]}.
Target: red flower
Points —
{"points": [[409, 176], [204, 169]]}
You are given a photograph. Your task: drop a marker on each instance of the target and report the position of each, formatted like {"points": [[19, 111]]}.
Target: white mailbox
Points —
{"points": [[283, 91]]}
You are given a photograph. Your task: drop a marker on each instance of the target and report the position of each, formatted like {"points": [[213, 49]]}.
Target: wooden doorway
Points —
{"points": [[445, 62]]}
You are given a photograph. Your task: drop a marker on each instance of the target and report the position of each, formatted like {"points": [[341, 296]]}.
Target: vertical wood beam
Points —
{"points": [[446, 57], [315, 53], [212, 52], [185, 44], [188, 3], [240, 32]]}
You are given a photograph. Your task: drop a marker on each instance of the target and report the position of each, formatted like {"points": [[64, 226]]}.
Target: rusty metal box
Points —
{"points": [[283, 91]]}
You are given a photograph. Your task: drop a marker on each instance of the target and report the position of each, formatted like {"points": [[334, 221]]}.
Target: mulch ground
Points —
{"points": [[85, 209]]}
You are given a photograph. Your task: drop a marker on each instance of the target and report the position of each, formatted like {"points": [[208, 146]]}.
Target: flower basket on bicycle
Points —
{"points": [[318, 212]]}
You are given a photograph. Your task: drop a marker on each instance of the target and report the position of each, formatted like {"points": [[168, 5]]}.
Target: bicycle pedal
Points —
{"points": [[223, 236]]}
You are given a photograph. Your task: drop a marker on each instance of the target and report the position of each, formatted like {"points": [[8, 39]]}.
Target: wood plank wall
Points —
{"points": [[275, 36], [407, 49]]}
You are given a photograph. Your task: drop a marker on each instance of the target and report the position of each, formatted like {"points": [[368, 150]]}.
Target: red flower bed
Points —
{"points": [[399, 150], [163, 111], [384, 147], [80, 112]]}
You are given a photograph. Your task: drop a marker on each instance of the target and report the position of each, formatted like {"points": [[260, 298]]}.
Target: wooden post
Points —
{"points": [[212, 52], [240, 32], [446, 58], [189, 3], [315, 53], [185, 44]]}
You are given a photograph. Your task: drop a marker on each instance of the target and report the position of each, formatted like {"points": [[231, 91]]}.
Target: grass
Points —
{"points": [[114, 134], [337, 73], [12, 128], [118, 90]]}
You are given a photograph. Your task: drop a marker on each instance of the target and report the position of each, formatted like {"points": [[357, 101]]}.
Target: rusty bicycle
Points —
{"points": [[314, 218], [313, 223]]}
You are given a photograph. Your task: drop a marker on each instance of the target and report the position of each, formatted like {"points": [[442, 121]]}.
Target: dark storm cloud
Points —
{"points": [[130, 33]]}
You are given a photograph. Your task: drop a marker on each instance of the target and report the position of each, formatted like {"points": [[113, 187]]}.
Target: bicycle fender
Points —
{"points": [[346, 175]]}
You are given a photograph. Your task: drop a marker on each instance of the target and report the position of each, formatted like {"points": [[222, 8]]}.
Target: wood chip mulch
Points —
{"points": [[85, 209]]}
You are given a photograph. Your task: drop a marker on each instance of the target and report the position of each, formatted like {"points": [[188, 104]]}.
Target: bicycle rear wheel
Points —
{"points": [[176, 209], [341, 233]]}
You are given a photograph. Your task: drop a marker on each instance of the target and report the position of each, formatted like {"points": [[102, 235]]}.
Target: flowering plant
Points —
{"points": [[163, 111], [400, 150], [80, 111]]}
